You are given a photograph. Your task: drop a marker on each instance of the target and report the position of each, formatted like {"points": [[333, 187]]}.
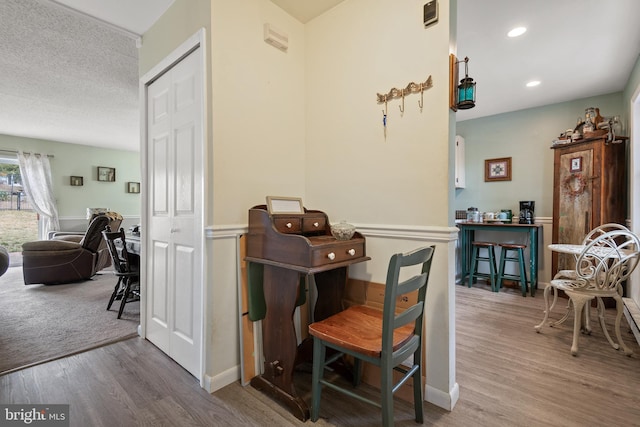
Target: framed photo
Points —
{"points": [[76, 181], [133, 187], [284, 205], [576, 164], [497, 169], [106, 174]]}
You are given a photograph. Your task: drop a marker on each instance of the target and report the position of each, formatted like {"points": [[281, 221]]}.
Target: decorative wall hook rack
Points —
{"points": [[400, 93]]}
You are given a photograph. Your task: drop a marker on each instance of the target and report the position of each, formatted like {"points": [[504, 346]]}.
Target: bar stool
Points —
{"points": [[517, 255], [490, 257]]}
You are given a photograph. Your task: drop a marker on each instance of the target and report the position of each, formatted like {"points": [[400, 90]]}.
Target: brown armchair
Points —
{"points": [[60, 261]]}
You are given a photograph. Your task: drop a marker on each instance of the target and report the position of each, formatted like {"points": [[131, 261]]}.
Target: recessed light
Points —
{"points": [[518, 31], [533, 83]]}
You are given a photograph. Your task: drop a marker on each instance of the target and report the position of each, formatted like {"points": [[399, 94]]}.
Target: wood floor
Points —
{"points": [[508, 376]]}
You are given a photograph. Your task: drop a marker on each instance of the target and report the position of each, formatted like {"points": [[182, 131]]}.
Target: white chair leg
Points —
{"points": [[601, 311], [619, 309], [565, 316], [547, 309], [579, 302]]}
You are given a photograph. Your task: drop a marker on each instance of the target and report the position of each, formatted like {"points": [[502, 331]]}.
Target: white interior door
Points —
{"points": [[175, 233]]}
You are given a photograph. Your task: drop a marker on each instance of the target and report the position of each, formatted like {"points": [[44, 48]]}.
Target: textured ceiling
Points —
{"points": [[66, 78]]}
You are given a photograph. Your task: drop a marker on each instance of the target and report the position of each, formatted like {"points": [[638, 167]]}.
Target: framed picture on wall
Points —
{"points": [[106, 174], [497, 169], [76, 181], [133, 187]]}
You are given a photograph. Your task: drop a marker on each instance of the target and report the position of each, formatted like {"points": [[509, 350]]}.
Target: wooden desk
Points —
{"points": [[284, 254], [467, 234]]}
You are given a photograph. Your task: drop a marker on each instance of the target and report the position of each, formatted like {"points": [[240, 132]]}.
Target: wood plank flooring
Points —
{"points": [[508, 376]]}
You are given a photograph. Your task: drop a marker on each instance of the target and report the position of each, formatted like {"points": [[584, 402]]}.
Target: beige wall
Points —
{"points": [[258, 108], [280, 123], [354, 171]]}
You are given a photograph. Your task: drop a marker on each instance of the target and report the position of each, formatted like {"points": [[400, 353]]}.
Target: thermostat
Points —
{"points": [[430, 15]]}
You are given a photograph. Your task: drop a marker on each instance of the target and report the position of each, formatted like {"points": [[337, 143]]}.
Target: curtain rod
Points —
{"points": [[25, 152]]}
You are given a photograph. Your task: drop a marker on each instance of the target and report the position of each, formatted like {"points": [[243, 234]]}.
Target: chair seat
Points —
{"points": [[359, 328], [583, 285]]}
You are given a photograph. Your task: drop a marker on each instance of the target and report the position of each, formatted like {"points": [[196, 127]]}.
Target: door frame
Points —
{"points": [[194, 42]]}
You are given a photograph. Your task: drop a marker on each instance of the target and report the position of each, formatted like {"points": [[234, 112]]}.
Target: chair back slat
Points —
{"points": [[608, 260], [119, 256], [394, 316]]}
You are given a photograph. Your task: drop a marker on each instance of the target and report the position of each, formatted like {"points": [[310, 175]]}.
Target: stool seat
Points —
{"points": [[513, 246], [518, 257], [490, 258]]}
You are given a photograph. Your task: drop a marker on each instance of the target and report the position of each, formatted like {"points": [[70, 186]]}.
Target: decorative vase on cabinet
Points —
{"points": [[589, 189]]}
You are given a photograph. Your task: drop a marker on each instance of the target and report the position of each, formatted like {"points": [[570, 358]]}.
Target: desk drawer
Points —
{"points": [[288, 225], [313, 224], [343, 251]]}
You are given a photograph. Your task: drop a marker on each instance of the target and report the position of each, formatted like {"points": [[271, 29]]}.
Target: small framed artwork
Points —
{"points": [[133, 187], [282, 205], [76, 181], [497, 169], [106, 174], [576, 164]]}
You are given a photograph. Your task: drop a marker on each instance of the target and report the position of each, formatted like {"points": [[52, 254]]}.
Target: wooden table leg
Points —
{"points": [[281, 287]]}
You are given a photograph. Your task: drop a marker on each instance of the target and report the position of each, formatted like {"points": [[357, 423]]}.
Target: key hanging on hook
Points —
{"points": [[421, 102], [401, 107], [384, 114]]}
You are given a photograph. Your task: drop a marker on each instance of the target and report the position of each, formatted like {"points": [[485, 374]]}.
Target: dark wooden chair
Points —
{"points": [[384, 338], [128, 286]]}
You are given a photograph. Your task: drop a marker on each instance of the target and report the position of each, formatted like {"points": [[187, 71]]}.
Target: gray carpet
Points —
{"points": [[40, 323]]}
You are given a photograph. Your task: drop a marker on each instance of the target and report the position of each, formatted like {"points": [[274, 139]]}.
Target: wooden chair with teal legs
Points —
{"points": [[383, 338]]}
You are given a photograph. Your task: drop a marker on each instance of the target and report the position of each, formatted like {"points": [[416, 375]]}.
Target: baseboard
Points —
{"points": [[441, 399], [223, 379]]}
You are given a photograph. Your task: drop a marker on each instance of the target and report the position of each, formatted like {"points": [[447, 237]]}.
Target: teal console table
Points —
{"points": [[467, 235]]}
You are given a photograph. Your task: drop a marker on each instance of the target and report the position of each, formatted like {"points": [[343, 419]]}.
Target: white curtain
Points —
{"points": [[38, 184]]}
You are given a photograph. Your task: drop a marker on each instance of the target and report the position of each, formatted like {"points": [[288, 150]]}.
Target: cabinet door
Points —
{"points": [[577, 197], [459, 165]]}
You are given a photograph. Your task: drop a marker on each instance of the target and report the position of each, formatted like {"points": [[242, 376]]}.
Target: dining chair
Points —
{"points": [[571, 274], [386, 338], [601, 268], [127, 288]]}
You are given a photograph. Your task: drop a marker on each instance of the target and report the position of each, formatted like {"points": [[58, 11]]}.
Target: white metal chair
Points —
{"points": [[571, 274], [601, 268]]}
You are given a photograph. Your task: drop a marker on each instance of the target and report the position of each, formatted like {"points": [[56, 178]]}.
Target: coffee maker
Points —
{"points": [[526, 211]]}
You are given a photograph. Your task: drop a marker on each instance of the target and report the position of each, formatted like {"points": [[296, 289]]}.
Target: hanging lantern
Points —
{"points": [[466, 90]]}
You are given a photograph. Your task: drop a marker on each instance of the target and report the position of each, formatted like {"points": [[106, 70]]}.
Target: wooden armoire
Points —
{"points": [[589, 189]]}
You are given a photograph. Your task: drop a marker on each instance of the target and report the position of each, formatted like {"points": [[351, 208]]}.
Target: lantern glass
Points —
{"points": [[466, 93]]}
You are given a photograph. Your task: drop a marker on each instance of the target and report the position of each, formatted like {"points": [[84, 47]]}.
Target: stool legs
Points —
{"points": [[519, 258], [490, 258]]}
